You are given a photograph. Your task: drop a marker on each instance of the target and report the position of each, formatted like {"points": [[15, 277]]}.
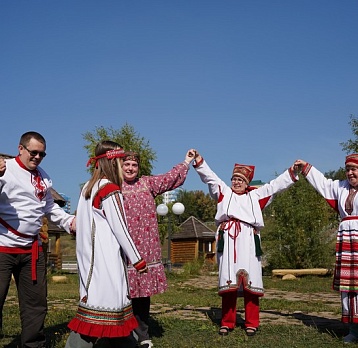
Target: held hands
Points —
{"points": [[298, 165], [190, 156], [2, 166], [73, 226]]}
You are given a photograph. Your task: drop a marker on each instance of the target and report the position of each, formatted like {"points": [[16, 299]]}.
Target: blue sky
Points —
{"points": [[257, 82]]}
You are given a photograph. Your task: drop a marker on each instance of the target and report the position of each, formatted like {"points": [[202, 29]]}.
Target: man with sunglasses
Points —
{"points": [[25, 199]]}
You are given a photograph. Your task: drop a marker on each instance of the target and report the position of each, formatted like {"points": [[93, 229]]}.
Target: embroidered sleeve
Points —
{"points": [[104, 192]]}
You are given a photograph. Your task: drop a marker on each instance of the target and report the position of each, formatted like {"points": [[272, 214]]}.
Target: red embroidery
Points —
{"points": [[39, 184]]}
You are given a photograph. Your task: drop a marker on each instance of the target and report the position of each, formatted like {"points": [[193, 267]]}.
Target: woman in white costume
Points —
{"points": [[239, 220], [103, 244], [342, 196]]}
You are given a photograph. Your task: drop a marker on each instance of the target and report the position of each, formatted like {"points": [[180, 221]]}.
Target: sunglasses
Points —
{"points": [[34, 153]]}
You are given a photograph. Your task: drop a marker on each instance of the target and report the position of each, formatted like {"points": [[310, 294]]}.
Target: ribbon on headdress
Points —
{"points": [[110, 154]]}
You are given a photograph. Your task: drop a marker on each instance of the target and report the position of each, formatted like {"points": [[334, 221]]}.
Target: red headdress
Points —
{"points": [[244, 171], [110, 154], [352, 159]]}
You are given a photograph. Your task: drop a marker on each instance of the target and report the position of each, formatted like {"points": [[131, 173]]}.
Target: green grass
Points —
{"points": [[181, 333], [170, 329]]}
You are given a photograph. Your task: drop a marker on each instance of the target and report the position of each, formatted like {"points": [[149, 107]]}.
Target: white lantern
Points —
{"points": [[178, 208], [162, 209]]}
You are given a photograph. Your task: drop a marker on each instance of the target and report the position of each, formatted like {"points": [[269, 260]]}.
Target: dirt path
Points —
{"points": [[323, 321]]}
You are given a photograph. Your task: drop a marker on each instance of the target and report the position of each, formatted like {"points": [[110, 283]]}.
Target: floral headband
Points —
{"points": [[110, 154]]}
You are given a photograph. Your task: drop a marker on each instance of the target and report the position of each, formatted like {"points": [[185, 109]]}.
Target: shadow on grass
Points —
{"points": [[333, 327], [54, 334], [14, 343], [214, 314], [155, 329]]}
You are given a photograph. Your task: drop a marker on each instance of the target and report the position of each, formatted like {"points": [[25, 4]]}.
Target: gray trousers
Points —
{"points": [[76, 340], [32, 295]]}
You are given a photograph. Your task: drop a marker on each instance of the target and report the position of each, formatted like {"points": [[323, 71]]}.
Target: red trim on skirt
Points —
{"points": [[95, 330]]}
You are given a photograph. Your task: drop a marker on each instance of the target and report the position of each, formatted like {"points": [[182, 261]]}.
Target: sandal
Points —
{"points": [[224, 331], [250, 331]]}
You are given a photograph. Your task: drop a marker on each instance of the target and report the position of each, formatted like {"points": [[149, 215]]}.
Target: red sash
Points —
{"points": [[354, 217], [34, 250]]}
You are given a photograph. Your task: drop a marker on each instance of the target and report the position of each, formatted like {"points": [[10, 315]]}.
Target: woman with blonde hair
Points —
{"points": [[103, 246]]}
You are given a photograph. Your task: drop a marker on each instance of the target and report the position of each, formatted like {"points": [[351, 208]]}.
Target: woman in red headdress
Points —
{"points": [[342, 196], [239, 220], [103, 245]]}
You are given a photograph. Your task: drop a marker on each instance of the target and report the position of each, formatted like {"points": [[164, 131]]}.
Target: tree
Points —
{"points": [[339, 174], [351, 146], [198, 204], [299, 229], [126, 137]]}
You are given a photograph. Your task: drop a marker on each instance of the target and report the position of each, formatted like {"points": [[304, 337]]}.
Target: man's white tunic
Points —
{"points": [[25, 198]]}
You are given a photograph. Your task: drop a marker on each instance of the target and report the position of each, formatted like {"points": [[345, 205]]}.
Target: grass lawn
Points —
{"points": [[172, 328]]}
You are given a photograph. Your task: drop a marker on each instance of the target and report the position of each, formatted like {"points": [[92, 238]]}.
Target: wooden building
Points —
{"points": [[193, 241]]}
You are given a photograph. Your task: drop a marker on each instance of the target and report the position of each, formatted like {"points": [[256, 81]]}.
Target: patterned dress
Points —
{"points": [[141, 214]]}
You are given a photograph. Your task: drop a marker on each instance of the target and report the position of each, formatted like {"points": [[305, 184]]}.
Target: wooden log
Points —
{"points": [[301, 272]]}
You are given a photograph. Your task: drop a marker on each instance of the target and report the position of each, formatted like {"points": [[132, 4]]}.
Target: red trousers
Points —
{"points": [[252, 309]]}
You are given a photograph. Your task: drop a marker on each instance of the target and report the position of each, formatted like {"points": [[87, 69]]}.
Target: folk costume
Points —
{"points": [[342, 197], [239, 220], [140, 208], [103, 244], [25, 198]]}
